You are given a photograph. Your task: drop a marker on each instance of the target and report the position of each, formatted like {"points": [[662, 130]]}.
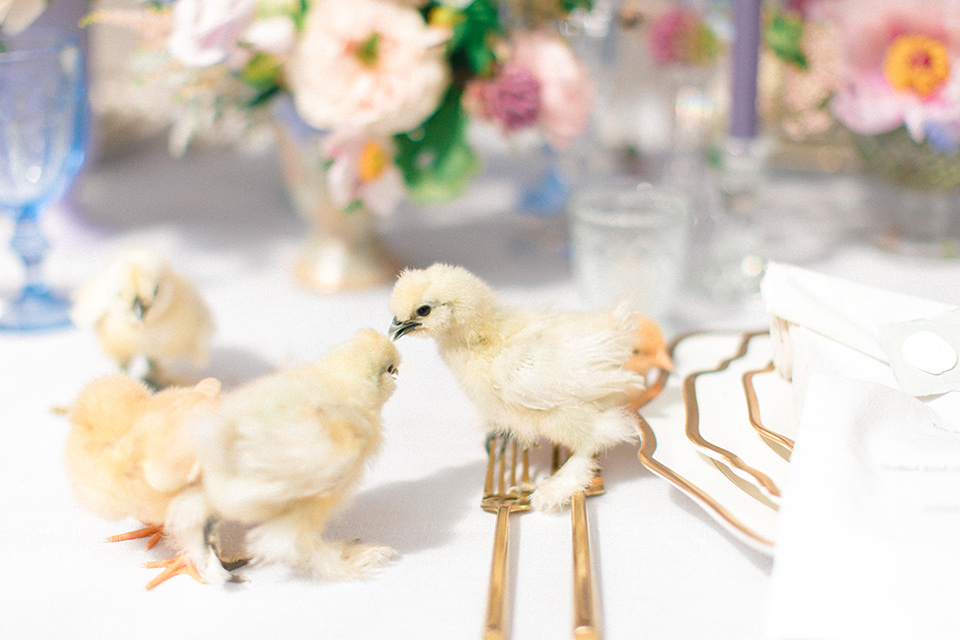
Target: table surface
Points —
{"points": [[665, 569]]}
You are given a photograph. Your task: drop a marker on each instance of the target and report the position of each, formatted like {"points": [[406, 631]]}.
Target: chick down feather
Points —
{"points": [[282, 452], [558, 375], [127, 452], [139, 306]]}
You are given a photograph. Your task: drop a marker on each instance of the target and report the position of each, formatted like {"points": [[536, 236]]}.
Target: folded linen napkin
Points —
{"points": [[918, 338], [869, 523]]}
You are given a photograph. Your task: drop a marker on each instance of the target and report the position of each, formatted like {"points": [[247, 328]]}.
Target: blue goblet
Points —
{"points": [[43, 131]]}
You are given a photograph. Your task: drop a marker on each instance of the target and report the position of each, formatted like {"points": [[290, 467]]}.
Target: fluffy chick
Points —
{"points": [[649, 350], [127, 453], [140, 306], [281, 452], [558, 375]]}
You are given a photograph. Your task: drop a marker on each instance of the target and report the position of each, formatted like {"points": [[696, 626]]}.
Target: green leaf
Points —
{"points": [[435, 160], [784, 36], [571, 5], [262, 72], [471, 46]]}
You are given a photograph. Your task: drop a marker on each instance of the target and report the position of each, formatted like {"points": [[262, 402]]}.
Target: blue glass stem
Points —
{"points": [[31, 246]]}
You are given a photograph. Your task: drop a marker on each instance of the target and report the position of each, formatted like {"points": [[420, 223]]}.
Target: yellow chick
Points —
{"points": [[558, 375], [649, 350], [140, 307], [127, 453], [280, 453]]}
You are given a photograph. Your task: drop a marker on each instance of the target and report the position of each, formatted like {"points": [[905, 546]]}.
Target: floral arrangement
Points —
{"points": [[394, 83], [894, 79]]}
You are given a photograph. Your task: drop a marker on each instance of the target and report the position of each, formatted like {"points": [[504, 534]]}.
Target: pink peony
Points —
{"points": [[900, 66]]}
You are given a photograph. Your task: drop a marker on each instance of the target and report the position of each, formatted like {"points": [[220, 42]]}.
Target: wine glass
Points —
{"points": [[43, 132]]}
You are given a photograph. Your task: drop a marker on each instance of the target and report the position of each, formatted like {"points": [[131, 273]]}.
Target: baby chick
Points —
{"points": [[281, 452], [559, 375], [140, 307], [127, 453], [649, 348]]}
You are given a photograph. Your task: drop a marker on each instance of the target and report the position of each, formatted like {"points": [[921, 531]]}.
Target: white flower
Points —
{"points": [[207, 32], [16, 15], [275, 34], [368, 64]]}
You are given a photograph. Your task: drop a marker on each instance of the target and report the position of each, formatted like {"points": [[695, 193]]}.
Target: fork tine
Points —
{"points": [[513, 468], [502, 485], [525, 472], [491, 465]]}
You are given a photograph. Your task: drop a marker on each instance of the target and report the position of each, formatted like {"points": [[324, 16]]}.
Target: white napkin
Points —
{"points": [[913, 335], [868, 544]]}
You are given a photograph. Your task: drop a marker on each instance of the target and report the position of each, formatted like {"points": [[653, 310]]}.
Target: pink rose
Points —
{"points": [[511, 98]]}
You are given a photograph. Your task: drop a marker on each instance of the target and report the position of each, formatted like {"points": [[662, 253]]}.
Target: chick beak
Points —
{"points": [[139, 308], [662, 360], [398, 329]]}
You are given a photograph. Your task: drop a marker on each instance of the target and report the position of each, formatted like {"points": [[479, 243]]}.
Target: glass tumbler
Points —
{"points": [[629, 242]]}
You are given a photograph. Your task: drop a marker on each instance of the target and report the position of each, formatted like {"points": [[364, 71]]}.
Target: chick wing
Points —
{"points": [[566, 359]]}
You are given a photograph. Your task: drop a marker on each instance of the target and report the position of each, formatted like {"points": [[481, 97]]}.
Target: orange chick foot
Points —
{"points": [[153, 532], [177, 565]]}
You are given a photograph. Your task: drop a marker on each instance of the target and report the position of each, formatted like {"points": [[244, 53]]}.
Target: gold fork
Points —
{"points": [[586, 624], [503, 495]]}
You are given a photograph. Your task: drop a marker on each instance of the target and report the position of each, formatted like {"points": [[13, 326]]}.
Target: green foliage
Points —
{"points": [[474, 34], [784, 36], [572, 5], [435, 159], [262, 74]]}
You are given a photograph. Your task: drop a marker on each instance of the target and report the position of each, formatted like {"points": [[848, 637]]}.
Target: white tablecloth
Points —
{"points": [[665, 569]]}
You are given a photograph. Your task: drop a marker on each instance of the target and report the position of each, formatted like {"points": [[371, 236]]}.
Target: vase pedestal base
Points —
{"points": [[917, 222], [330, 265]]}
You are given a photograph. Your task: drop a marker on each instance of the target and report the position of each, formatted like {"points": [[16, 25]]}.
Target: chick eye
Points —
{"points": [[392, 370], [424, 310]]}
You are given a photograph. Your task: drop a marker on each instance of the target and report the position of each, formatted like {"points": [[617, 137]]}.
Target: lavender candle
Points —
{"points": [[746, 53]]}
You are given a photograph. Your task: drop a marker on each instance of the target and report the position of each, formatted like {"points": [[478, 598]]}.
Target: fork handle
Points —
{"points": [[585, 622], [496, 622]]}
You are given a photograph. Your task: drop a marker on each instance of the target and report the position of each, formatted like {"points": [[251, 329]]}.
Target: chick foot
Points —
{"points": [[554, 493], [154, 532], [180, 564]]}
